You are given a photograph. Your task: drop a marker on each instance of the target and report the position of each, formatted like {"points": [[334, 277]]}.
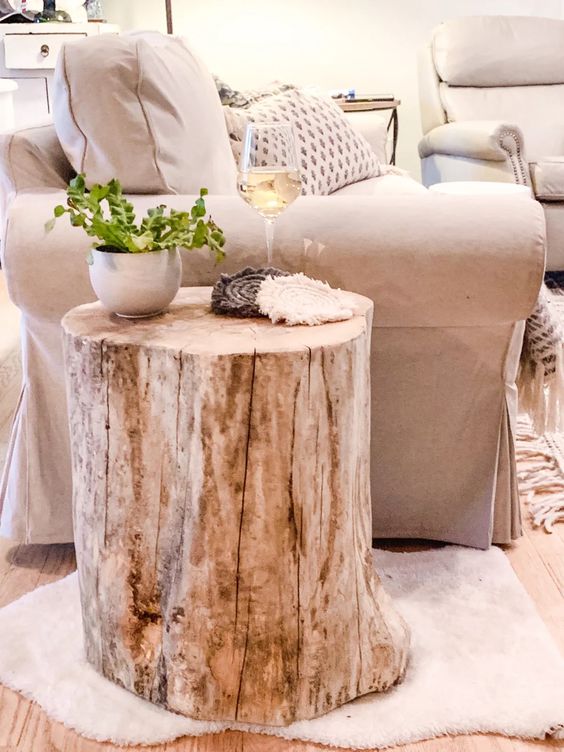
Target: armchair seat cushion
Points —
{"points": [[547, 176], [385, 185]]}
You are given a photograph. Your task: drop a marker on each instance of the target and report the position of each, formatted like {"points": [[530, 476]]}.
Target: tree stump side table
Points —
{"points": [[222, 511]]}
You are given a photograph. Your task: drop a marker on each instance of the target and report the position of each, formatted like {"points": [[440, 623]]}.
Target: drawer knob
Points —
{"points": [[45, 50]]}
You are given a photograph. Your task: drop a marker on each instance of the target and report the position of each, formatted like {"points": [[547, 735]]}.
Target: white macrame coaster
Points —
{"points": [[298, 299]]}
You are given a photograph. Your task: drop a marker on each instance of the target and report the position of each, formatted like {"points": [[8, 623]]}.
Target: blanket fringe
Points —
{"points": [[542, 396], [540, 477]]}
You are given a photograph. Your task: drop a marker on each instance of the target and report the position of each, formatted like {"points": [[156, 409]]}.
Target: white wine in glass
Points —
{"points": [[269, 179]]}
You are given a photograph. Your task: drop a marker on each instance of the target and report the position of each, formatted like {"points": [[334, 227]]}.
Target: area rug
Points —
{"points": [[481, 661]]}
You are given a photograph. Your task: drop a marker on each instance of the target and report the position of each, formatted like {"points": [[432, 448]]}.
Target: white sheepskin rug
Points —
{"points": [[481, 661]]}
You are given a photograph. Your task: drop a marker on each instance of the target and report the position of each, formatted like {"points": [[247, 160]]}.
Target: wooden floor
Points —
{"points": [[537, 558]]}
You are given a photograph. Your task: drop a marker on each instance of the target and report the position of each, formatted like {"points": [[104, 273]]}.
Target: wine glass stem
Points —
{"points": [[269, 228]]}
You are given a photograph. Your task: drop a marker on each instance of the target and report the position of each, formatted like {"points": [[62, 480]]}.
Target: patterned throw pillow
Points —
{"points": [[331, 154]]}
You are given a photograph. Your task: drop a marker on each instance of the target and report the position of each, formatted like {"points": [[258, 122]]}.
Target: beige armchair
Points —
{"points": [[492, 108], [450, 297]]}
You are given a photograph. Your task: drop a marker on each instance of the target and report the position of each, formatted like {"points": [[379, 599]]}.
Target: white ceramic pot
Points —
{"points": [[135, 285]]}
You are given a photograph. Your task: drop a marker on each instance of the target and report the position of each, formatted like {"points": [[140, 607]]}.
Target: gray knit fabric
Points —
{"points": [[235, 294]]}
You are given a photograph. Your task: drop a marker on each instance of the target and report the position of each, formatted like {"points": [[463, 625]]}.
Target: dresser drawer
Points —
{"points": [[32, 51]]}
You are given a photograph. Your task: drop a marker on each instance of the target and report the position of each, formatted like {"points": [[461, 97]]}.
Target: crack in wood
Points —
{"points": [[107, 458], [308, 373], [358, 614], [180, 362], [291, 470], [244, 661], [244, 490], [298, 592]]}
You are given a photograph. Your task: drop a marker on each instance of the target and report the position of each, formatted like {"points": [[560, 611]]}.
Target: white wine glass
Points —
{"points": [[269, 179]]}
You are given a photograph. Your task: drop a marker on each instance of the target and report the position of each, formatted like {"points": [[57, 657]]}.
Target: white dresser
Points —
{"points": [[7, 91], [28, 53]]}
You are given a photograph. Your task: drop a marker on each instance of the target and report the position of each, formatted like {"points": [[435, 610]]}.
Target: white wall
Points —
{"points": [[366, 44]]}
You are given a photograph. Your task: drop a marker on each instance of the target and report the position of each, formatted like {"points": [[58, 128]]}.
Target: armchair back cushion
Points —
{"points": [[32, 158], [156, 121]]}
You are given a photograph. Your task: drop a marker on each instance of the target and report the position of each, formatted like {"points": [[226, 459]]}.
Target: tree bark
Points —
{"points": [[222, 511]]}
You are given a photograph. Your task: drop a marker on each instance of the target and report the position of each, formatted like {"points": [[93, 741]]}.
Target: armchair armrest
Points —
{"points": [[423, 258], [491, 140], [32, 158]]}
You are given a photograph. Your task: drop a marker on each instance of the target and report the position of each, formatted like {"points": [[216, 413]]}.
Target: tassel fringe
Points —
{"points": [[542, 396], [540, 476]]}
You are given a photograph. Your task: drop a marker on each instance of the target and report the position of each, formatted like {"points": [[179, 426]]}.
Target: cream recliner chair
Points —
{"points": [[492, 108]]}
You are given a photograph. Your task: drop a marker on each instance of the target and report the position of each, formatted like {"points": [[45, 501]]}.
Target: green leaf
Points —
{"points": [[78, 220], [50, 224], [104, 213], [142, 242], [78, 183]]}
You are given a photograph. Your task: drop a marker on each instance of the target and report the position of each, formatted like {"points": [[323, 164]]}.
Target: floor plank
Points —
{"points": [[535, 560], [550, 548], [14, 712]]}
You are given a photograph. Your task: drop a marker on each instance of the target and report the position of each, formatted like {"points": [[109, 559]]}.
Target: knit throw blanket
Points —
{"points": [[541, 372]]}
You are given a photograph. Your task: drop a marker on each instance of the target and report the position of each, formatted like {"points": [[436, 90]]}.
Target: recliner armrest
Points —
{"points": [[492, 140]]}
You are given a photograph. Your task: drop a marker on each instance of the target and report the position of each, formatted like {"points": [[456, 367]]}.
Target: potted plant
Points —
{"points": [[135, 267]]}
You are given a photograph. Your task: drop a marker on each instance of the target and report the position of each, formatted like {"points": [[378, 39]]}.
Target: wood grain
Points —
{"points": [[222, 512]]}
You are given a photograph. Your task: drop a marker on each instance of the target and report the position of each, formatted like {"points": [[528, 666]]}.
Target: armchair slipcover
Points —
{"points": [[492, 108], [450, 293]]}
